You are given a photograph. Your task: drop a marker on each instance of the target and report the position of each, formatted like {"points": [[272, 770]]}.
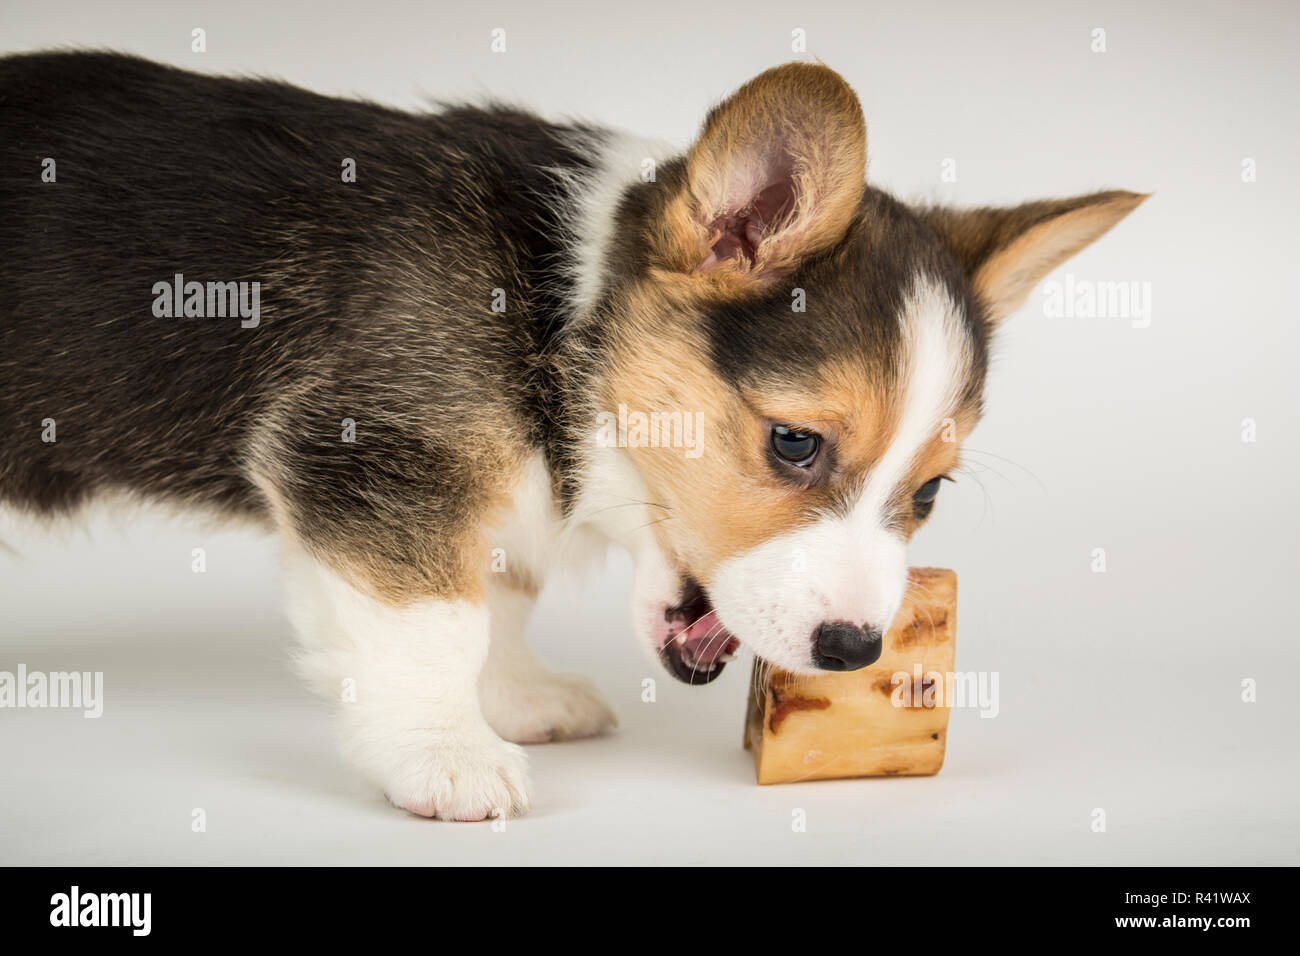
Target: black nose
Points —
{"points": [[841, 646]]}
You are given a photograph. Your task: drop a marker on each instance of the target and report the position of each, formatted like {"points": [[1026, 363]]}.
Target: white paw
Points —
{"points": [[470, 775], [545, 707]]}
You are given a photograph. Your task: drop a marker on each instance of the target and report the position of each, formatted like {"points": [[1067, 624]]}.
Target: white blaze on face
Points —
{"points": [[852, 567]]}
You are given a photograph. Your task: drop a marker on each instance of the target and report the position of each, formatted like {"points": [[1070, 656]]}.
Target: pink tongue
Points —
{"points": [[708, 639]]}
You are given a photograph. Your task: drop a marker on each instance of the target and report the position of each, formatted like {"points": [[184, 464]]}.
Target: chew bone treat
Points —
{"points": [[887, 719]]}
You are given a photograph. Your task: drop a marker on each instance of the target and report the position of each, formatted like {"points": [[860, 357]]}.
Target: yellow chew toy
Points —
{"points": [[883, 720]]}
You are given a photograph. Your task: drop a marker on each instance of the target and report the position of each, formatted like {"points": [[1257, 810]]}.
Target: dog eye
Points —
{"points": [[796, 447], [928, 492]]}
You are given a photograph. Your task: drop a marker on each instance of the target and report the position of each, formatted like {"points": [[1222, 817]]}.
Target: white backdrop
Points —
{"points": [[1120, 691]]}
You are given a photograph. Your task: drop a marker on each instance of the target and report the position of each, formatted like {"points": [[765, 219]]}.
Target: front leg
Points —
{"points": [[523, 699], [406, 675]]}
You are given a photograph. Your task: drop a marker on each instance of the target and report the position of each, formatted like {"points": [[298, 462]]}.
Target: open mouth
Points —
{"points": [[696, 647]]}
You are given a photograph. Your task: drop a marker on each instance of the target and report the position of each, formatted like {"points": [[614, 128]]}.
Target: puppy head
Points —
{"points": [[832, 344]]}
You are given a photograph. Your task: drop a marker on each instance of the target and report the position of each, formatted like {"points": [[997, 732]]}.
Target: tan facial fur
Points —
{"points": [[781, 550], [730, 499]]}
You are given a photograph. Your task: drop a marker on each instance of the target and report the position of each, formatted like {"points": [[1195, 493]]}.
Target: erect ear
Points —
{"points": [[775, 175], [1008, 251]]}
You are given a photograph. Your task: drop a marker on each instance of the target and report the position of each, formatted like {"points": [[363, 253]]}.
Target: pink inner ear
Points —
{"points": [[741, 232]]}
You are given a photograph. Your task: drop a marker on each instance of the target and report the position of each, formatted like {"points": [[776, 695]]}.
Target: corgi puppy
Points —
{"points": [[439, 355]]}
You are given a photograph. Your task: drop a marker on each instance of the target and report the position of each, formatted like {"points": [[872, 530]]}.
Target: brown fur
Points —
{"points": [[660, 361]]}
